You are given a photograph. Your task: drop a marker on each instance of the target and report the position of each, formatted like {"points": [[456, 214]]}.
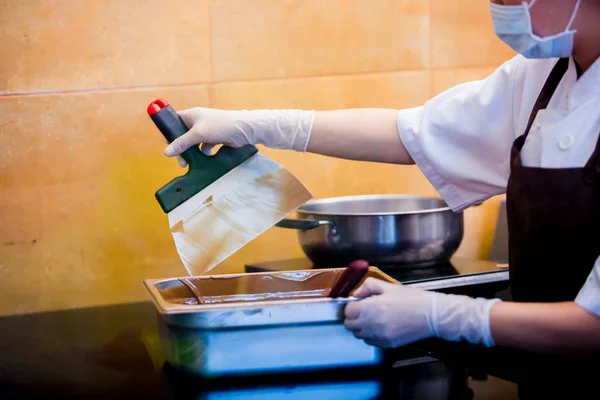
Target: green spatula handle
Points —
{"points": [[203, 169]]}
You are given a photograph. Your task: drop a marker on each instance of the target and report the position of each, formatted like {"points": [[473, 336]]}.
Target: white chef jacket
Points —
{"points": [[461, 139]]}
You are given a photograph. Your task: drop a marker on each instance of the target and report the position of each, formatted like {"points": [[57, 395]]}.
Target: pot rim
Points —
{"points": [[329, 200]]}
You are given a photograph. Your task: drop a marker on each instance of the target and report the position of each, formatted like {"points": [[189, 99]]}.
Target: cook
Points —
{"points": [[530, 130]]}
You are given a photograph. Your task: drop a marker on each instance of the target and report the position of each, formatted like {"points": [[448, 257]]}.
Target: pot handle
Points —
{"points": [[304, 224]]}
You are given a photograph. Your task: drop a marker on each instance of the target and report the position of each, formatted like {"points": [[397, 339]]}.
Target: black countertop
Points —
{"points": [[115, 351]]}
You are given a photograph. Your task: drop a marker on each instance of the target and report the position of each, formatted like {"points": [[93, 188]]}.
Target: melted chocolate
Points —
{"points": [[253, 287], [179, 295]]}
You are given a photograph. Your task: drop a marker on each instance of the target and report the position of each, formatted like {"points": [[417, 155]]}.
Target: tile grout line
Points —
{"points": [[317, 76], [98, 90], [241, 81], [208, 83]]}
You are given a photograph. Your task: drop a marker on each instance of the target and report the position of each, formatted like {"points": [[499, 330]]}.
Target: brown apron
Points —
{"points": [[554, 241]]}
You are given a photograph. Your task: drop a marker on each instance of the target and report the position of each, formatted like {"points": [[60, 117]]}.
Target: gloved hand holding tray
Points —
{"points": [[258, 323]]}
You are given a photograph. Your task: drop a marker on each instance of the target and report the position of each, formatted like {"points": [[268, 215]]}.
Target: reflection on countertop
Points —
{"points": [[115, 351]]}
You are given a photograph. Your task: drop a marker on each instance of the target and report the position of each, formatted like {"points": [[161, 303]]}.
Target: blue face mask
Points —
{"points": [[512, 24]]}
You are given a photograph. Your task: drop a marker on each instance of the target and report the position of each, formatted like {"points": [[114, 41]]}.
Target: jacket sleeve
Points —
{"points": [[461, 139], [589, 295]]}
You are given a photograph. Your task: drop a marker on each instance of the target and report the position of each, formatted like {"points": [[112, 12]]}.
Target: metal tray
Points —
{"points": [[290, 335]]}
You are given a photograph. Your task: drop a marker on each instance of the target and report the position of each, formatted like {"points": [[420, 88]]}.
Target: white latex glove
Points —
{"points": [[392, 315], [278, 129]]}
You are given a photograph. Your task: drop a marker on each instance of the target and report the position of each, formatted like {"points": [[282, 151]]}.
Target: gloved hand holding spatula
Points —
{"points": [[278, 129]]}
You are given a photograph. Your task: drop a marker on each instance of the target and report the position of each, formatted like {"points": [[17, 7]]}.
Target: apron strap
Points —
{"points": [[545, 95], [592, 168]]}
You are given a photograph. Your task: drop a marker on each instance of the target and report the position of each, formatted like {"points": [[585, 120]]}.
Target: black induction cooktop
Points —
{"points": [[459, 275]]}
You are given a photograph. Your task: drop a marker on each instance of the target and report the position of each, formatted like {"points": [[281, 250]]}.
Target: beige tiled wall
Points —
{"points": [[80, 159]]}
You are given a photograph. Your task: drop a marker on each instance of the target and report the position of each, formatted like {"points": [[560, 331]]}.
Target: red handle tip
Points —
{"points": [[156, 106]]}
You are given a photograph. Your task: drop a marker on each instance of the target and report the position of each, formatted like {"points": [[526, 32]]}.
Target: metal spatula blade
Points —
{"points": [[233, 211]]}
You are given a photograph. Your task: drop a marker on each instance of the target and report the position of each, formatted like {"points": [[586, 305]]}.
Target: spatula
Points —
{"points": [[349, 279], [225, 200]]}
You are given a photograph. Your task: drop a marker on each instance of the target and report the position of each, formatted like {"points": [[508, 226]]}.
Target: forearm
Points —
{"points": [[545, 327], [368, 134]]}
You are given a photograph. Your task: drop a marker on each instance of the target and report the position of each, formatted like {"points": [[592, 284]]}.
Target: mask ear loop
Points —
{"points": [[573, 15]]}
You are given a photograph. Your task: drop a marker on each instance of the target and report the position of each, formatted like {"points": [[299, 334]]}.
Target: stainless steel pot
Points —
{"points": [[382, 229]]}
